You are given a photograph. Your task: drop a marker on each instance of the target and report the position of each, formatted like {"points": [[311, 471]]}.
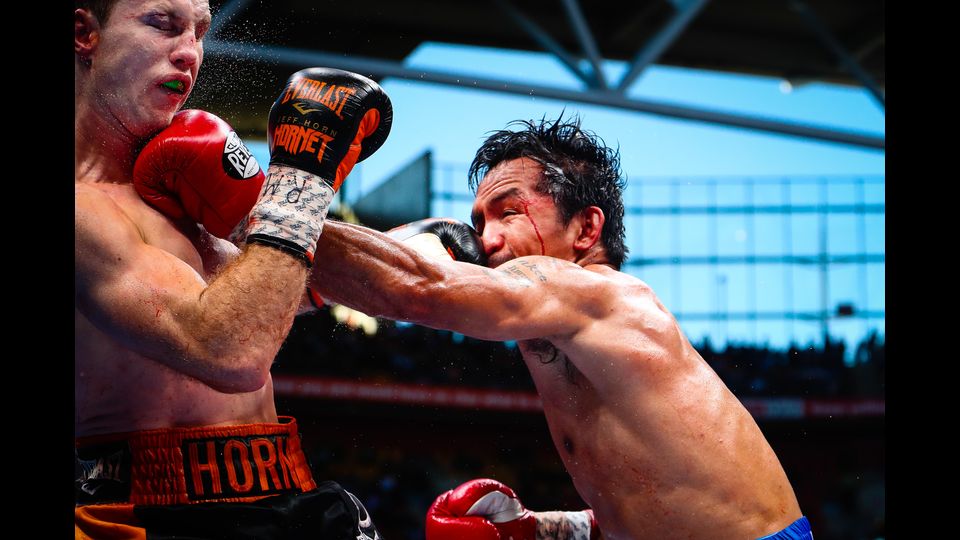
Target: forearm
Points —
{"points": [[370, 272], [240, 320], [365, 270]]}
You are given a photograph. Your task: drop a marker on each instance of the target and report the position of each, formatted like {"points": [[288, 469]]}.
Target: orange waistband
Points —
{"points": [[238, 463]]}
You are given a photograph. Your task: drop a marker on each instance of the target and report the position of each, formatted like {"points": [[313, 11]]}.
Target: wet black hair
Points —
{"points": [[579, 170]]}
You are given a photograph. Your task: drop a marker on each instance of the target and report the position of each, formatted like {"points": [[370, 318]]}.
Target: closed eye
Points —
{"points": [[161, 22]]}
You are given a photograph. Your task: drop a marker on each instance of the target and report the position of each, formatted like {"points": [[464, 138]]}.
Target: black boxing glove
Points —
{"points": [[461, 242], [323, 123], [327, 120]]}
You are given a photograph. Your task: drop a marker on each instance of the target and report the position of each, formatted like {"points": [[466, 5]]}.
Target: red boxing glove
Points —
{"points": [[481, 509], [200, 168]]}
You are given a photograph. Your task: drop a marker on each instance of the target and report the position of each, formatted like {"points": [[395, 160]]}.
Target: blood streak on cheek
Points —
{"points": [[526, 211]]}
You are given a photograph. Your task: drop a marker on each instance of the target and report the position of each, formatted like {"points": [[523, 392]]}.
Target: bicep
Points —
{"points": [[135, 293]]}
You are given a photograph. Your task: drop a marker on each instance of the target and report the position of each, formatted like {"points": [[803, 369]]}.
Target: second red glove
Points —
{"points": [[481, 509]]}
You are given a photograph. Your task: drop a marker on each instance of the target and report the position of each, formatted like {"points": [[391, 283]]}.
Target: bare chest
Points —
{"points": [[554, 374], [117, 389], [567, 396], [185, 240]]}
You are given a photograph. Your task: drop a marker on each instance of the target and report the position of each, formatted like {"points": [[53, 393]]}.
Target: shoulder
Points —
{"points": [[111, 202], [622, 281], [109, 243], [636, 302], [554, 278], [100, 217], [588, 293], [541, 268], [594, 281]]}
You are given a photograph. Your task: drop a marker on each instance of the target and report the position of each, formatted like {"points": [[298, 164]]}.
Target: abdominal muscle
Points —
{"points": [[118, 390], [673, 454]]}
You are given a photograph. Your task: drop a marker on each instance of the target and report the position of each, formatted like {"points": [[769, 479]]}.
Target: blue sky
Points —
{"points": [[452, 122]]}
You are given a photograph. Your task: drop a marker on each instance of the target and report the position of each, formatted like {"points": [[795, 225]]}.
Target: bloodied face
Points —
{"points": [[516, 220]]}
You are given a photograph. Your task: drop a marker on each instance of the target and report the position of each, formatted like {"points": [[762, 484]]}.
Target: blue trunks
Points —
{"points": [[798, 530]]}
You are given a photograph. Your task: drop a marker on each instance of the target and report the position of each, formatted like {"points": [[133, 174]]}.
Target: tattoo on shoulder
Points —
{"points": [[505, 273], [516, 271], [533, 268], [525, 271]]}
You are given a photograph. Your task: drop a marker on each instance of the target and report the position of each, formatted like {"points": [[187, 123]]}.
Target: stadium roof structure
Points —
{"points": [[254, 46]]}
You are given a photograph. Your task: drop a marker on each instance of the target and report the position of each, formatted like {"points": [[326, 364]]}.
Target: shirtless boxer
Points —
{"points": [[656, 444], [177, 432]]}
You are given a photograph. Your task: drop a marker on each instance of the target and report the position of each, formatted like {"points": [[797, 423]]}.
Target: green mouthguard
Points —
{"points": [[174, 85]]}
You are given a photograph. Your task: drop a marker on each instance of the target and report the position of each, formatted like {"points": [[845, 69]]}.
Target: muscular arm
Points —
{"points": [[225, 333], [529, 297]]}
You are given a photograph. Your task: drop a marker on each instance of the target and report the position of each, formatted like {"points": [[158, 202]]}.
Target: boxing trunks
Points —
{"points": [[238, 482], [798, 530]]}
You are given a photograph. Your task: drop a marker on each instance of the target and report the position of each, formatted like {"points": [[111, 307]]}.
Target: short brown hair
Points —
{"points": [[100, 8]]}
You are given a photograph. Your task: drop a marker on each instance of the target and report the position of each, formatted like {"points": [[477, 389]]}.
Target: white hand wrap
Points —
{"points": [[290, 213]]}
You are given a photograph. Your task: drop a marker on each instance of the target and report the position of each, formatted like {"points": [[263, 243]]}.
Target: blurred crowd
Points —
{"points": [[397, 459], [412, 354]]}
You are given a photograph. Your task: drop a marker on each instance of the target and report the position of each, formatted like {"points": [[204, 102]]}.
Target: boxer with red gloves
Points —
{"points": [[321, 125], [485, 509], [200, 169], [176, 328]]}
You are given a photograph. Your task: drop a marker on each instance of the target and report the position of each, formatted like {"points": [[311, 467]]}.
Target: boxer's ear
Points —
{"points": [[590, 221], [86, 34]]}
